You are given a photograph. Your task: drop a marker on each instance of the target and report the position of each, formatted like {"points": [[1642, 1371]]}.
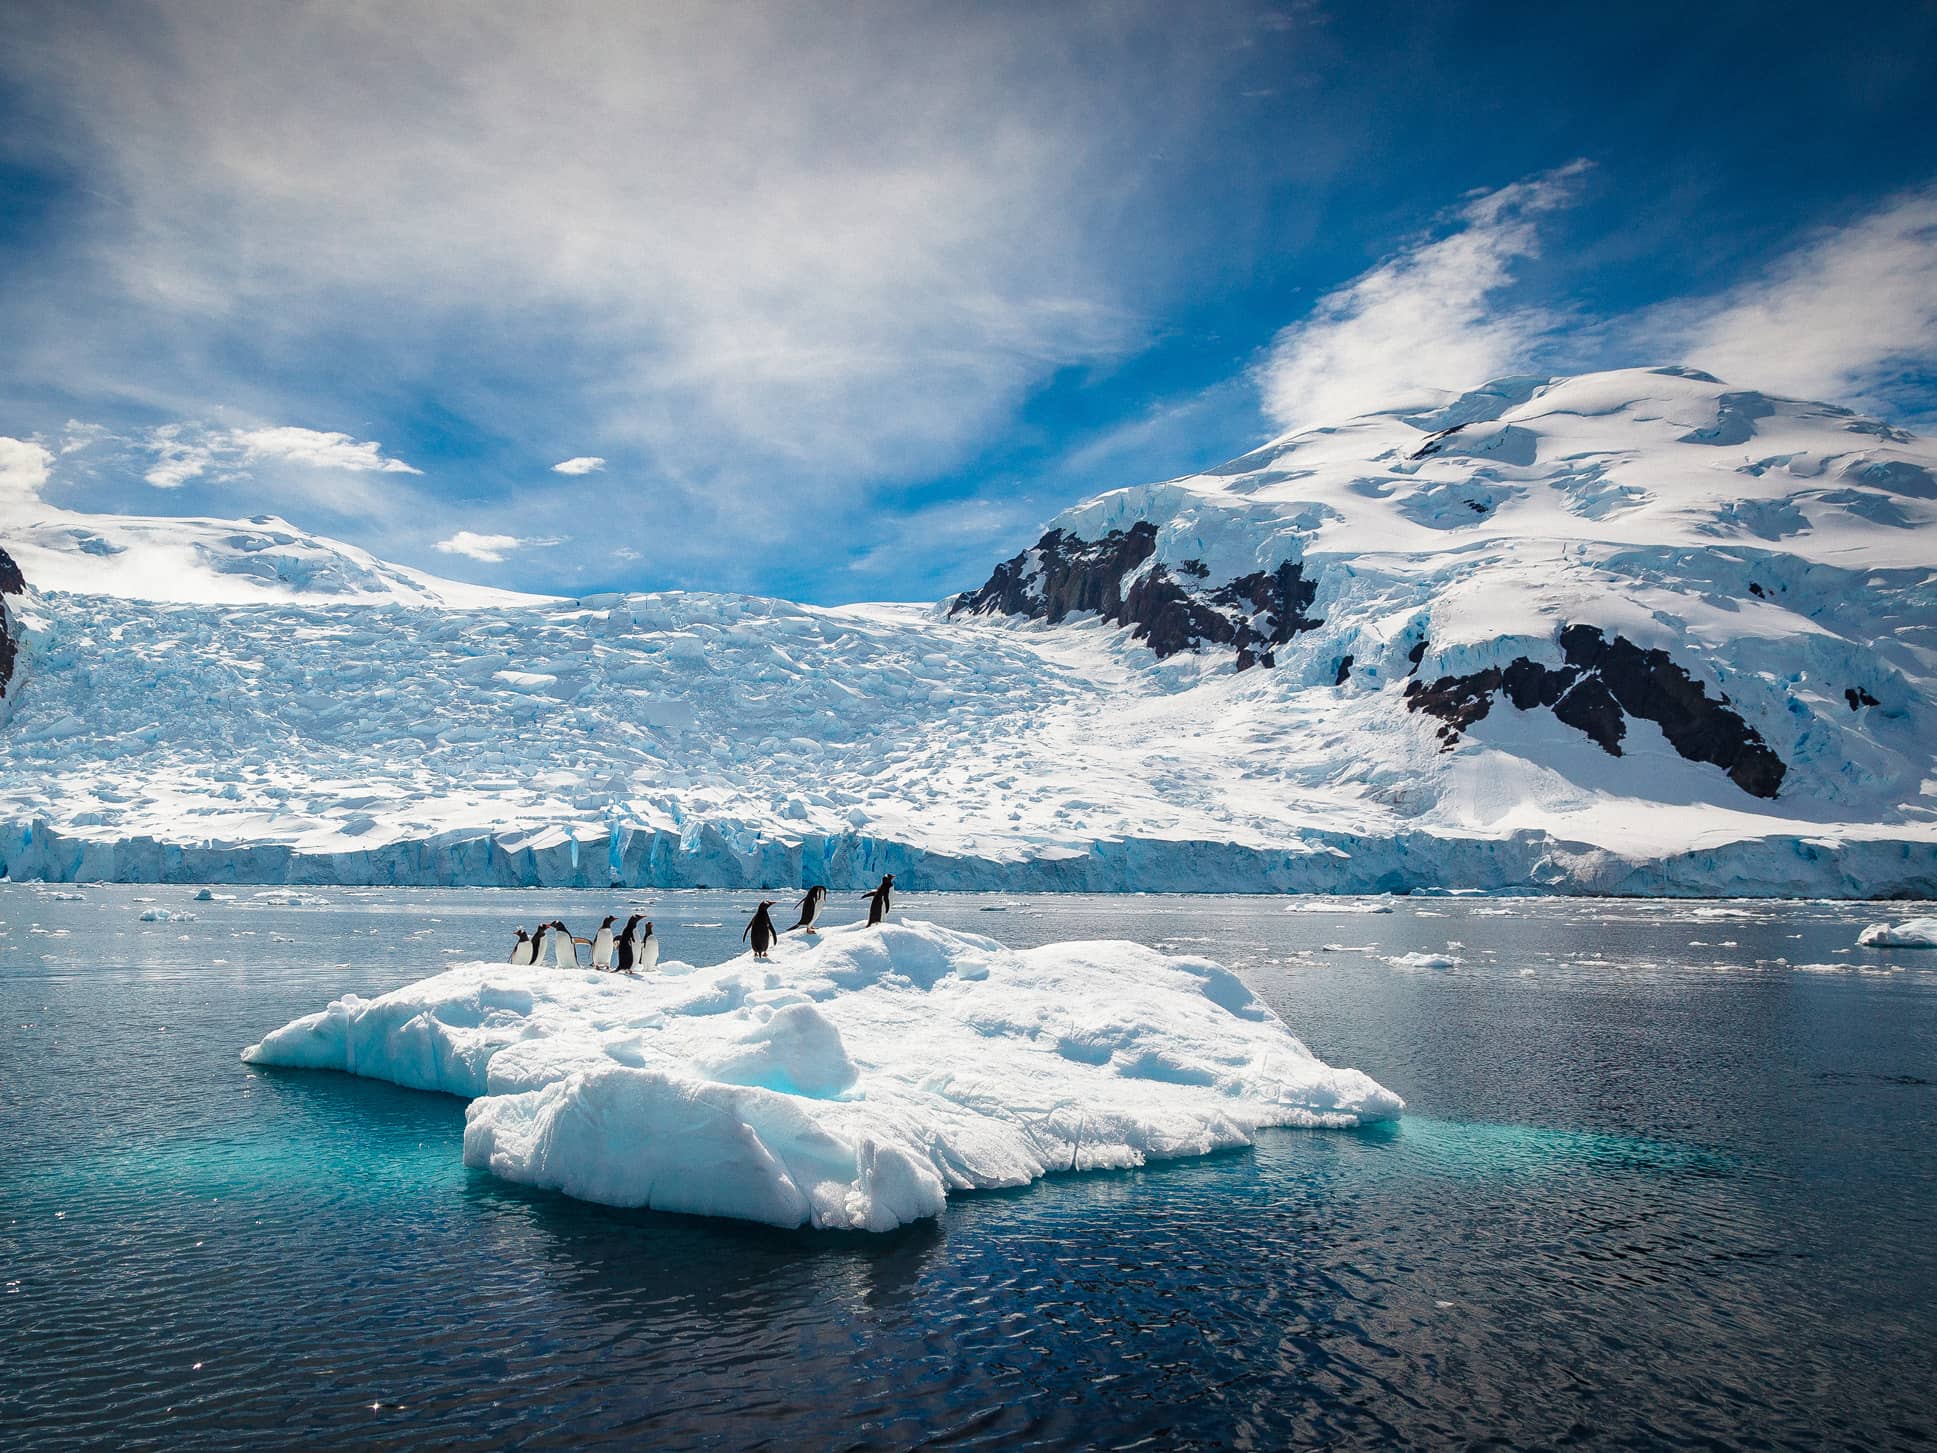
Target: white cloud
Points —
{"points": [[23, 469], [583, 464], [852, 244], [1423, 322], [489, 548], [315, 450], [1839, 317], [183, 452], [178, 459]]}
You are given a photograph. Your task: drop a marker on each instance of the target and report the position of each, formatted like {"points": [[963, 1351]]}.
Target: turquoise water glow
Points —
{"points": [[1661, 1185]]}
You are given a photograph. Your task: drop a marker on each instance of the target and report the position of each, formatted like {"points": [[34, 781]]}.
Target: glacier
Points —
{"points": [[1638, 632], [850, 1084]]}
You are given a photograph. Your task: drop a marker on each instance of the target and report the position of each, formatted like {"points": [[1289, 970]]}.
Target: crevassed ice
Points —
{"points": [[851, 1083]]}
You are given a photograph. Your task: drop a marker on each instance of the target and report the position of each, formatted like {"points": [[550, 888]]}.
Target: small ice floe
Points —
{"points": [[1423, 961], [166, 915], [60, 897], [209, 895], [1911, 933], [291, 898]]}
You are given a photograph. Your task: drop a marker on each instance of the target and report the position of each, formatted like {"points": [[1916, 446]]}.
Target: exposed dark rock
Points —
{"points": [[12, 582], [1344, 672], [1602, 684], [1757, 590], [1590, 708], [1857, 697], [1064, 574], [1459, 701], [1416, 655]]}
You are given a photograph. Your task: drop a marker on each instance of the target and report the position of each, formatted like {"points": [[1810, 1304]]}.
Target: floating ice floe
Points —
{"points": [[166, 915], [1911, 933], [849, 1083], [1423, 961]]}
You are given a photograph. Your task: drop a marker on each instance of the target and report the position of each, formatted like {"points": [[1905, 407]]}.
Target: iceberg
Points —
{"points": [[849, 1084], [1911, 933]]}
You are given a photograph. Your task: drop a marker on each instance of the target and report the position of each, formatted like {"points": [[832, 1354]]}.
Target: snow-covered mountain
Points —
{"points": [[214, 562], [1628, 632]]}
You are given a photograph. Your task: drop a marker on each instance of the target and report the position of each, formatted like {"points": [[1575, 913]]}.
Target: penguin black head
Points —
{"points": [[522, 935], [887, 880], [648, 925], [610, 919]]}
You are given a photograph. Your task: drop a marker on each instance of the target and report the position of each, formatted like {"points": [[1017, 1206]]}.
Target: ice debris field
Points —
{"points": [[851, 1083]]}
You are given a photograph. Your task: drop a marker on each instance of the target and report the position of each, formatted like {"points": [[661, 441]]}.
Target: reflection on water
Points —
{"points": [[1665, 1182]]}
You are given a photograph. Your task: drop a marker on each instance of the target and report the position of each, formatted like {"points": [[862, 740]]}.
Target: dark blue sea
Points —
{"points": [[1668, 1179]]}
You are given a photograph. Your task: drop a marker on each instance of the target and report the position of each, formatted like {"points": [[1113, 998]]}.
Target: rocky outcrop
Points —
{"points": [[1602, 684], [1119, 579], [12, 582]]}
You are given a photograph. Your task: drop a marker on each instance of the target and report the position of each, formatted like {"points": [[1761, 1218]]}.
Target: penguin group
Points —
{"points": [[632, 949]]}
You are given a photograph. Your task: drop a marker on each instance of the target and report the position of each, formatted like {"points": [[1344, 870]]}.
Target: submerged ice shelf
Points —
{"points": [[851, 1083]]}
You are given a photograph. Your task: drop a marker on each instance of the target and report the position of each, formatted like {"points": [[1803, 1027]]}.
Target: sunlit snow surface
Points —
{"points": [[851, 1083], [314, 715], [1910, 933]]}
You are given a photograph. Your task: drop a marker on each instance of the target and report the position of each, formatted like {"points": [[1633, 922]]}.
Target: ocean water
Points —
{"points": [[1668, 1179]]}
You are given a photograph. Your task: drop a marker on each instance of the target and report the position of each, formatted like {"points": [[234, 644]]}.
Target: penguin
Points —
{"points": [[810, 909], [625, 944], [564, 946], [881, 900], [645, 949], [602, 943], [538, 945], [760, 928], [521, 950]]}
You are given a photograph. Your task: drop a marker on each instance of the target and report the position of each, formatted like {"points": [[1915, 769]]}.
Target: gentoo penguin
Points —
{"points": [[521, 950], [645, 949], [625, 943], [602, 944], [810, 908], [761, 930], [881, 899], [564, 946], [538, 945]]}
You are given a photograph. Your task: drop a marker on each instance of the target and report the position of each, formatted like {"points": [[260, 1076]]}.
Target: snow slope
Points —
{"points": [[1635, 632], [851, 1083], [214, 562]]}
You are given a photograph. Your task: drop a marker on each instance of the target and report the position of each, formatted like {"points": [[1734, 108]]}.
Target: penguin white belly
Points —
{"points": [[521, 954], [565, 955], [647, 954], [602, 949]]}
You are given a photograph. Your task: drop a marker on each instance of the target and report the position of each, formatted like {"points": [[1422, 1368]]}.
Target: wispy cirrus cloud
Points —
{"points": [[187, 451], [1428, 320], [583, 464], [1846, 314]]}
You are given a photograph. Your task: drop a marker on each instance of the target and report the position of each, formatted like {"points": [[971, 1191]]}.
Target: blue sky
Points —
{"points": [[846, 300]]}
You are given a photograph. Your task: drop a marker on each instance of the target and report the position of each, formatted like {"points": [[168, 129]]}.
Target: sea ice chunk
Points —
{"points": [[852, 1083], [1911, 933]]}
